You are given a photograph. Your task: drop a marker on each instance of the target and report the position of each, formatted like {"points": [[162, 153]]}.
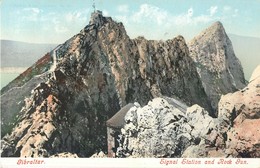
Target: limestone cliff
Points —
{"points": [[166, 127], [91, 76], [218, 67], [61, 103]]}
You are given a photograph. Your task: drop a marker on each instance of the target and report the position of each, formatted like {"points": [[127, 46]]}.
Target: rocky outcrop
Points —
{"points": [[242, 111], [82, 83], [165, 127], [152, 131], [13, 95], [37, 125], [169, 71], [99, 155], [64, 155], [219, 69], [92, 76]]}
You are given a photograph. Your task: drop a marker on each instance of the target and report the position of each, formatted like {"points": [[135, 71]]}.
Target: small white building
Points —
{"points": [[114, 125]]}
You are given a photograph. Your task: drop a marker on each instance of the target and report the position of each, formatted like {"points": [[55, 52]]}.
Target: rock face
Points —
{"points": [[152, 131], [12, 96], [164, 128], [71, 92], [219, 69], [91, 77], [242, 111]]}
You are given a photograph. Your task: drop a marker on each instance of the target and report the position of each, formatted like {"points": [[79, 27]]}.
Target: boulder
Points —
{"points": [[165, 127], [242, 111]]}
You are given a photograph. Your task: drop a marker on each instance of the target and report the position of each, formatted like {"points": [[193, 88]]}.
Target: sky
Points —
{"points": [[55, 21]]}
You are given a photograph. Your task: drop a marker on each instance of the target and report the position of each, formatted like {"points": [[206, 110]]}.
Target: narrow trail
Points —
{"points": [[39, 77], [54, 56]]}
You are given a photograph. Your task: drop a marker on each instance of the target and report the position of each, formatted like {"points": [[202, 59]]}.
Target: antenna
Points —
{"points": [[94, 6]]}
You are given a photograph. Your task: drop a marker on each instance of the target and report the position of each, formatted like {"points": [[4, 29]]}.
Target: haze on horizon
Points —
{"points": [[47, 21]]}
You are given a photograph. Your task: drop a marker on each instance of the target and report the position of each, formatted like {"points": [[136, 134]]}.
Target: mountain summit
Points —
{"points": [[71, 92], [92, 76], [219, 69]]}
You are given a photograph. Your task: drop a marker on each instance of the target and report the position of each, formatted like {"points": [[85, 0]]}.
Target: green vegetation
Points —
{"points": [[41, 66], [8, 127], [7, 77]]}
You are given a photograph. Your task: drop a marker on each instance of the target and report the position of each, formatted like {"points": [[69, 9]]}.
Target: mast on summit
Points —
{"points": [[94, 6]]}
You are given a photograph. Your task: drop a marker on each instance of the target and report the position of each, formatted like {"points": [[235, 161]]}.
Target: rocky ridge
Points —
{"points": [[92, 76], [97, 72], [163, 129], [218, 67], [12, 96]]}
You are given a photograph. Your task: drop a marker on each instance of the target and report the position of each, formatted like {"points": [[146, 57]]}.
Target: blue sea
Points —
{"points": [[7, 77]]}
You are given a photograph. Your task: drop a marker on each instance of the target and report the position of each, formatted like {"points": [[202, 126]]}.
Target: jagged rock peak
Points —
{"points": [[216, 25], [94, 74], [215, 30], [220, 70], [97, 18]]}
